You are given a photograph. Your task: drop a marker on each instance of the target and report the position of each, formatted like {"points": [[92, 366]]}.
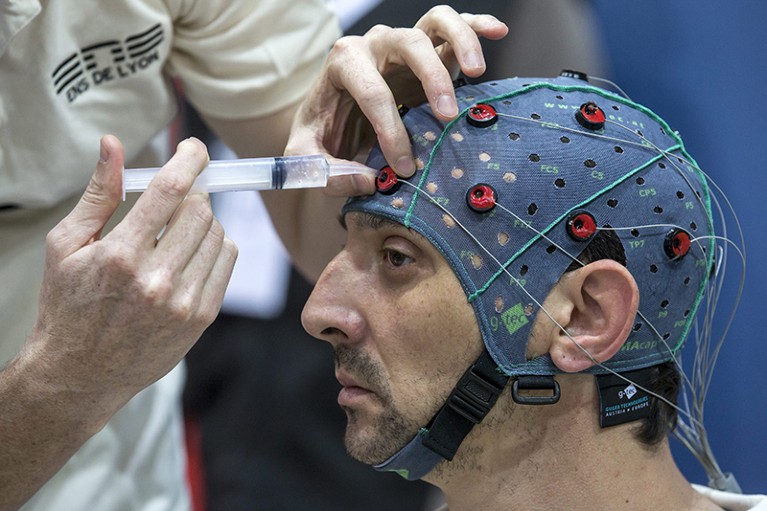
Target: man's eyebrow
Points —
{"points": [[370, 221]]}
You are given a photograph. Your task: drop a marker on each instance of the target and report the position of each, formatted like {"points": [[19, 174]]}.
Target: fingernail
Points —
{"points": [[405, 166], [103, 153], [446, 106], [473, 60]]}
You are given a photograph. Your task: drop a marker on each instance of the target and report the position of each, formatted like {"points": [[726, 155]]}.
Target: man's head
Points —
{"points": [[484, 243]]}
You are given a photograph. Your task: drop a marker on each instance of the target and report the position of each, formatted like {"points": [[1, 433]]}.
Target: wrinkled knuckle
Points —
{"points": [[411, 37], [229, 247], [157, 289], [438, 11], [173, 184], [118, 260], [387, 134], [202, 210], [378, 30], [184, 310], [344, 46], [216, 230], [206, 316], [373, 93], [53, 241]]}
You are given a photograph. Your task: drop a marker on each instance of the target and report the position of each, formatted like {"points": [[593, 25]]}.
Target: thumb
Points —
{"points": [[99, 201]]}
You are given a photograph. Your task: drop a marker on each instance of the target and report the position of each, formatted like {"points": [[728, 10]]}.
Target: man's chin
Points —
{"points": [[374, 445]]}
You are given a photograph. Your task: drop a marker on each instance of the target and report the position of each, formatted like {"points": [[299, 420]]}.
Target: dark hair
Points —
{"points": [[665, 377]]}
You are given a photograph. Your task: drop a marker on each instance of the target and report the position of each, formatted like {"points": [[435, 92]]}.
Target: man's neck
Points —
{"points": [[557, 457]]}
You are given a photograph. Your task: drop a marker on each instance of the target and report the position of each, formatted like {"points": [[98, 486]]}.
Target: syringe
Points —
{"points": [[278, 173]]}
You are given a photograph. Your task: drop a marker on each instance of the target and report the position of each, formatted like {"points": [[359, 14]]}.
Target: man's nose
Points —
{"points": [[333, 312]]}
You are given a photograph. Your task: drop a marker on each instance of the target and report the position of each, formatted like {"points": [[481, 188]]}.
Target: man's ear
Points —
{"points": [[596, 305]]}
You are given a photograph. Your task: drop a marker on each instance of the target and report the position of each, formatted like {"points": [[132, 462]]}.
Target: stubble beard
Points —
{"points": [[391, 430]]}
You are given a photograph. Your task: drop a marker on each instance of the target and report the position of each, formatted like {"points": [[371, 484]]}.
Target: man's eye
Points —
{"points": [[395, 258]]}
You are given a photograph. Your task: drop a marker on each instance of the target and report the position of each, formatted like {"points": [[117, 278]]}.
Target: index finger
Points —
{"points": [[154, 209], [462, 31]]}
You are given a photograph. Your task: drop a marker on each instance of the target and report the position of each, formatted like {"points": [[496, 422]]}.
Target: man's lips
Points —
{"points": [[352, 391]]}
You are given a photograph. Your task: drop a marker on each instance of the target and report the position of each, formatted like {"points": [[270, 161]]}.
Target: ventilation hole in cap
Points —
{"points": [[430, 136], [514, 136], [640, 181], [551, 249], [529, 309], [658, 209], [687, 313], [484, 156], [635, 233], [618, 149], [666, 336], [499, 304], [506, 102], [509, 177], [432, 187], [457, 137], [590, 164], [532, 209], [662, 131], [664, 304], [564, 140], [559, 182], [693, 226], [449, 221], [687, 281], [559, 97], [398, 202], [534, 158], [616, 107], [503, 238], [535, 116], [523, 270], [680, 194], [653, 268], [639, 132], [661, 165], [612, 202], [457, 173], [637, 327], [476, 261]]}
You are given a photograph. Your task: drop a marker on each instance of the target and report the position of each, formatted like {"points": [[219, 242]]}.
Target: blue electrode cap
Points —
{"points": [[517, 185]]}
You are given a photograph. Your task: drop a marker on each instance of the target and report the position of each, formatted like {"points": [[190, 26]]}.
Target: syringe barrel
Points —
{"points": [[246, 174], [300, 172]]}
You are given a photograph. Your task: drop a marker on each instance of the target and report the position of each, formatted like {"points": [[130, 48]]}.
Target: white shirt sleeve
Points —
{"points": [[239, 59]]}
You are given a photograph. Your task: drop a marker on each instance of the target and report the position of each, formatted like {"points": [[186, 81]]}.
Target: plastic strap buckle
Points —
{"points": [[469, 403], [535, 383], [474, 396]]}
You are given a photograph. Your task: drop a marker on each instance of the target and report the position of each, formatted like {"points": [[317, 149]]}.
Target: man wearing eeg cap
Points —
{"points": [[556, 235]]}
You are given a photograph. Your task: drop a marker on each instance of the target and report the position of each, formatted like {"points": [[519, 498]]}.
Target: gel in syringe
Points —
{"points": [[253, 174]]}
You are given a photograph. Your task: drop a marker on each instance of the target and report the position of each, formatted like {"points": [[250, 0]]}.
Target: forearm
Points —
{"points": [[43, 423]]}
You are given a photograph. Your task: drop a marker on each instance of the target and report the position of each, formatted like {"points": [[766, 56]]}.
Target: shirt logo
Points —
{"points": [[106, 62]]}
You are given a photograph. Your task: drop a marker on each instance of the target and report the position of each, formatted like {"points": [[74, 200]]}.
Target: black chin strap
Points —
{"points": [[471, 400]]}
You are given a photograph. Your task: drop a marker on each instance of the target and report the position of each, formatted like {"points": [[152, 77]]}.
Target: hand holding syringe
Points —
{"points": [[254, 174]]}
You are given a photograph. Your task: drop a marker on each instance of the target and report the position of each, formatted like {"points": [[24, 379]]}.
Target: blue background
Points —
{"points": [[702, 66]]}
